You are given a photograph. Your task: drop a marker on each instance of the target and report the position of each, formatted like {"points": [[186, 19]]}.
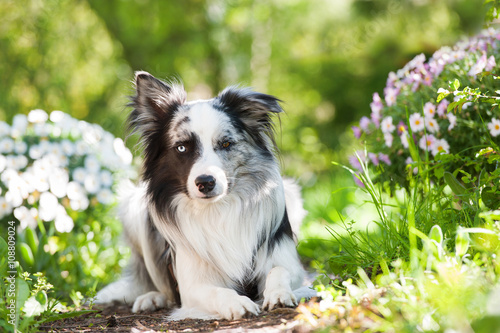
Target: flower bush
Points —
{"points": [[425, 121], [56, 182]]}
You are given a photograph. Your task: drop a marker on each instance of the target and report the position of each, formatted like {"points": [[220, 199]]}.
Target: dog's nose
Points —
{"points": [[205, 183]]}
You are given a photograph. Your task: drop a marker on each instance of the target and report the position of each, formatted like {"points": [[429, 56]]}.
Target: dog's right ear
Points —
{"points": [[153, 103]]}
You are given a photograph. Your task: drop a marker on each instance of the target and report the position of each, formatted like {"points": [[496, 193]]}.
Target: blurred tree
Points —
{"points": [[323, 58], [57, 55]]}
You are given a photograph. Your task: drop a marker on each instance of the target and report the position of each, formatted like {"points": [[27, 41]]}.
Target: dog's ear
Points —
{"points": [[153, 103], [253, 111], [253, 108]]}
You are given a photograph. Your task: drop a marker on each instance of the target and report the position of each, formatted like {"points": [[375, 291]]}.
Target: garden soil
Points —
{"points": [[120, 319]]}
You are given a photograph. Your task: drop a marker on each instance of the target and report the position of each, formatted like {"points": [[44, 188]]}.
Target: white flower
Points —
{"points": [[77, 195], [105, 196], [35, 152], [440, 146], [3, 162], [58, 182], [6, 146], [20, 147], [106, 178], [494, 127], [429, 110], [25, 217], [68, 148], [5, 207], [4, 129], [404, 139], [452, 119], [37, 116], [416, 122], [57, 116], [19, 125], [79, 175], [387, 126], [63, 222], [48, 205], [426, 142], [92, 164], [92, 183], [388, 138], [431, 125]]}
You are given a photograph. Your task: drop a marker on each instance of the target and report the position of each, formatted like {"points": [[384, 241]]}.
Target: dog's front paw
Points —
{"points": [[150, 302], [278, 298], [237, 308]]}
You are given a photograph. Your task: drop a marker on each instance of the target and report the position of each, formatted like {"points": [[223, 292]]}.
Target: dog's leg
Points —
{"points": [[278, 291], [285, 276], [203, 294], [134, 283]]}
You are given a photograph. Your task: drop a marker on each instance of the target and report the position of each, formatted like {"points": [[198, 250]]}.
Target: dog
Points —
{"points": [[212, 223]]}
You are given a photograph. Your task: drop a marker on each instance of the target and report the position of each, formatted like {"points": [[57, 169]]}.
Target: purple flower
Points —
{"points": [[373, 157], [442, 107], [354, 162], [376, 105], [390, 95], [364, 122], [384, 158], [358, 181], [357, 131]]}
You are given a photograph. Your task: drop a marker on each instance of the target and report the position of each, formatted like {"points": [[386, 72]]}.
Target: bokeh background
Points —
{"points": [[323, 58]]}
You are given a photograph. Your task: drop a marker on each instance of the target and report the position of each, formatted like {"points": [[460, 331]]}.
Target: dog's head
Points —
{"points": [[203, 149]]}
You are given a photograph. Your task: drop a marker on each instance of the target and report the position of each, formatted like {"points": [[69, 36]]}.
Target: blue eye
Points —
{"points": [[181, 149]]}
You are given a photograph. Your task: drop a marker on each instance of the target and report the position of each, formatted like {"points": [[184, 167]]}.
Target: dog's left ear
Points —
{"points": [[254, 109]]}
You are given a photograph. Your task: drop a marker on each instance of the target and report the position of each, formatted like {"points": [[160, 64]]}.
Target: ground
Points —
{"points": [[120, 319]]}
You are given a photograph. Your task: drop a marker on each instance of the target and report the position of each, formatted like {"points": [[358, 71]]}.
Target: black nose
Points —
{"points": [[205, 183]]}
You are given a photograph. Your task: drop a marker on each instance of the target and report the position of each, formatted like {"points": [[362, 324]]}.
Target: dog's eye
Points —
{"points": [[226, 144], [181, 149]]}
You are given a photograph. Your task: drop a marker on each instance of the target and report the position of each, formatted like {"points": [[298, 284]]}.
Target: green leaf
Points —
{"points": [[26, 254], [456, 84], [22, 294], [32, 240], [462, 242], [41, 297], [436, 234], [65, 315], [490, 197], [454, 184]]}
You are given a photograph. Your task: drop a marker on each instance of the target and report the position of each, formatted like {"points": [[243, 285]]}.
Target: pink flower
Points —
{"points": [[364, 122], [384, 158], [426, 142], [357, 131], [452, 119], [388, 139], [376, 105], [490, 64], [354, 161], [390, 95], [404, 140], [387, 126], [416, 122], [440, 146], [431, 125], [494, 127], [358, 181], [402, 128], [429, 110], [443, 107], [373, 157]]}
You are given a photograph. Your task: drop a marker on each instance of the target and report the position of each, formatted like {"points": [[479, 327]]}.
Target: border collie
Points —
{"points": [[212, 224]]}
